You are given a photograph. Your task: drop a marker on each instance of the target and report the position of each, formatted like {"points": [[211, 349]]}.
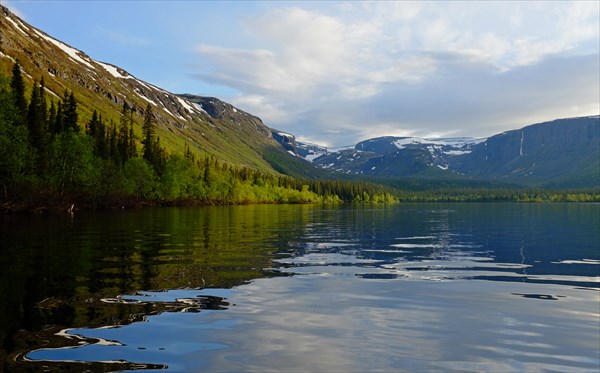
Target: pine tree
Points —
{"points": [[36, 122], [131, 148], [43, 105], [92, 126], [70, 115], [148, 134], [113, 144], [123, 140], [95, 129], [52, 115], [17, 86], [160, 158], [59, 122], [101, 139]]}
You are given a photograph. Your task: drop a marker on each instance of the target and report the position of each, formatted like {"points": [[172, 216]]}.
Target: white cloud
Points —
{"points": [[381, 68]]}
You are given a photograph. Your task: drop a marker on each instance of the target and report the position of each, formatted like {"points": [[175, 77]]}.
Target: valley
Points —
{"points": [[210, 152]]}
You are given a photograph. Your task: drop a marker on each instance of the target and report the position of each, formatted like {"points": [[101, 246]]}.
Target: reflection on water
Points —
{"points": [[419, 287]]}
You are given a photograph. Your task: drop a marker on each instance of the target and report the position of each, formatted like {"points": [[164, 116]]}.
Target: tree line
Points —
{"points": [[48, 156]]}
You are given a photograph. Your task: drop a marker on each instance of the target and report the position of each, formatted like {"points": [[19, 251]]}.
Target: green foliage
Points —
{"points": [[72, 163], [15, 155], [101, 166], [181, 180], [140, 178]]}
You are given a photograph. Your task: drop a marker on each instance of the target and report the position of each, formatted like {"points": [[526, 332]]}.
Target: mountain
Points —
{"points": [[210, 126], [561, 153]]}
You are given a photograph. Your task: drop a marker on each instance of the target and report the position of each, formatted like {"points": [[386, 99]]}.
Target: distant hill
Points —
{"points": [[563, 153]]}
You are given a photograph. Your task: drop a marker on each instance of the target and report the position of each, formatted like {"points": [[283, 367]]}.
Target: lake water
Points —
{"points": [[401, 288]]}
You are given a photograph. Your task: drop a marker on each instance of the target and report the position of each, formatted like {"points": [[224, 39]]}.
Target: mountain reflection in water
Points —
{"points": [[413, 287]]}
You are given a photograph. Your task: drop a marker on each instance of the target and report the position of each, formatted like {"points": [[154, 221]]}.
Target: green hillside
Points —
{"points": [[238, 138]]}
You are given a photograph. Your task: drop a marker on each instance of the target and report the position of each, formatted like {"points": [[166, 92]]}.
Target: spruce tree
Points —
{"points": [[17, 86], [131, 149], [59, 122], [123, 140], [52, 115], [101, 139], [43, 105], [148, 134], [70, 115], [93, 125], [36, 122], [113, 144], [95, 129], [152, 151]]}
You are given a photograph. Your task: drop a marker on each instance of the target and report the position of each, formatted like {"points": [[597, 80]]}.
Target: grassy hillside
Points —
{"points": [[236, 138]]}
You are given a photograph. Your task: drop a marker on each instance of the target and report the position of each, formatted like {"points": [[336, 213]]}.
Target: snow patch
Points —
{"points": [[52, 93], [199, 107], [71, 52], [283, 134], [403, 142], [186, 105], [19, 26], [522, 138], [342, 148], [145, 98], [445, 167], [312, 156], [140, 82], [112, 70], [171, 114], [457, 152], [454, 142]]}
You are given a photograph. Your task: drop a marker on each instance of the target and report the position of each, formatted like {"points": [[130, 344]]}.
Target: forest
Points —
{"points": [[49, 160]]}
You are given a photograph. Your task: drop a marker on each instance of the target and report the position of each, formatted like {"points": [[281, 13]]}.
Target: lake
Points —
{"points": [[286, 288]]}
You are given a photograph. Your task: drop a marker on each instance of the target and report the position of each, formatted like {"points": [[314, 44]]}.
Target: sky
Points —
{"points": [[334, 72]]}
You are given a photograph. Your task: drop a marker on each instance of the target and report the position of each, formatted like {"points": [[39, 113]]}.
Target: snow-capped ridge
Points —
{"points": [[453, 142]]}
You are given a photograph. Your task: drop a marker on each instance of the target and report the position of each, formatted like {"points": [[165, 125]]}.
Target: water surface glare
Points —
{"points": [[408, 287]]}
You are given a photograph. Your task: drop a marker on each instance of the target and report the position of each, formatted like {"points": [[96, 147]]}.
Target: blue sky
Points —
{"points": [[338, 72]]}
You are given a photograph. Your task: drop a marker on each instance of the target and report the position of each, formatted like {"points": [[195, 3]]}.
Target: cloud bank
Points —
{"points": [[351, 71]]}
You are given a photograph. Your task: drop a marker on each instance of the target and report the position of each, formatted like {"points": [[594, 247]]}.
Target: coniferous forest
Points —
{"points": [[49, 160]]}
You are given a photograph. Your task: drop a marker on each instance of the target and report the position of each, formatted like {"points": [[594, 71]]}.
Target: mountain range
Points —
{"points": [[563, 153], [560, 153]]}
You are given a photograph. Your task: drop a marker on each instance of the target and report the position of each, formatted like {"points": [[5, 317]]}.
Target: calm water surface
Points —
{"points": [[403, 288]]}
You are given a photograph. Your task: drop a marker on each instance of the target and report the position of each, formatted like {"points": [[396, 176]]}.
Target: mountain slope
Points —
{"points": [[563, 153], [229, 134]]}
